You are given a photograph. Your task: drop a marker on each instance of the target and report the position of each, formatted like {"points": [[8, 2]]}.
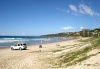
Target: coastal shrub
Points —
{"points": [[74, 57], [96, 43], [87, 40]]}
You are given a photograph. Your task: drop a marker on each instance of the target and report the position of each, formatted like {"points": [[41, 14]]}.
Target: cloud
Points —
{"points": [[64, 10], [83, 9], [72, 7], [67, 28], [81, 27], [67, 11]]}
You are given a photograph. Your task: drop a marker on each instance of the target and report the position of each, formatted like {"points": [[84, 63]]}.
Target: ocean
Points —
{"points": [[7, 41]]}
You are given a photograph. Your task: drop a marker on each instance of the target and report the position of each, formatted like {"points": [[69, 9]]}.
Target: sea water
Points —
{"points": [[7, 41]]}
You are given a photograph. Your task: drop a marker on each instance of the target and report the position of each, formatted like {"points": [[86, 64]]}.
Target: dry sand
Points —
{"points": [[38, 58]]}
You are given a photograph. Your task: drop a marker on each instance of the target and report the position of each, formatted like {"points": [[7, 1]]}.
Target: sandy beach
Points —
{"points": [[44, 58]]}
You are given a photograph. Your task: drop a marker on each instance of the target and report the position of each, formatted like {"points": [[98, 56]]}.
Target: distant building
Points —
{"points": [[85, 32], [77, 33]]}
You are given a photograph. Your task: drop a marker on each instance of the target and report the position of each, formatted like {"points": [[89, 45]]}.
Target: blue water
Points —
{"points": [[7, 41]]}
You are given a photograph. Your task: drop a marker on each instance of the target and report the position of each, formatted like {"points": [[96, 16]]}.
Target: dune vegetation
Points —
{"points": [[77, 56]]}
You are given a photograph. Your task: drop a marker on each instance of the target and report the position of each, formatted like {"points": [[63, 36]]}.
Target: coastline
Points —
{"points": [[43, 58], [4, 47]]}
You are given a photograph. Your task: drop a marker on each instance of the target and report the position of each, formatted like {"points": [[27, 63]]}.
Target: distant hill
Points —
{"points": [[84, 33]]}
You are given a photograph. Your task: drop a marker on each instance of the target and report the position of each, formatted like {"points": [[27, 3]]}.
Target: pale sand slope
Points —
{"points": [[34, 59]]}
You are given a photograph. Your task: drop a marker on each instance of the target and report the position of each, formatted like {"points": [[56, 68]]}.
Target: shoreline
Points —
{"points": [[45, 57], [38, 44]]}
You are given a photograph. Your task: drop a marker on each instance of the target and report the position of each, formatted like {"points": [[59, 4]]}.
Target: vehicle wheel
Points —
{"points": [[12, 48], [20, 48]]}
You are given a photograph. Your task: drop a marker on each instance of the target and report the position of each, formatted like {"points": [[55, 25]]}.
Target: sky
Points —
{"points": [[41, 17]]}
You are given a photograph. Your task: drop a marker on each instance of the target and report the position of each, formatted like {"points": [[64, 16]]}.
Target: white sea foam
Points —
{"points": [[11, 41], [7, 41], [39, 39], [9, 38], [19, 38]]}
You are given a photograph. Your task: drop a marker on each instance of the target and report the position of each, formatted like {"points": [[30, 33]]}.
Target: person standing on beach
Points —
{"points": [[41, 41], [48, 39]]}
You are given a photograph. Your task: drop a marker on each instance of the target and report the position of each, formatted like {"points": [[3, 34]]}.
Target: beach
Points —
{"points": [[46, 57]]}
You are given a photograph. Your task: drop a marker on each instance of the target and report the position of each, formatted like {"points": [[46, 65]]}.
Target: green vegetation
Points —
{"points": [[83, 33], [96, 43], [74, 57], [78, 56]]}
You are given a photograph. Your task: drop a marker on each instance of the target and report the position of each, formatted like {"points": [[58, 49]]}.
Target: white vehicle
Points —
{"points": [[19, 46]]}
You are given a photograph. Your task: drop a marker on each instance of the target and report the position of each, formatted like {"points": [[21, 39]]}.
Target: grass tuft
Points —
{"points": [[80, 55]]}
